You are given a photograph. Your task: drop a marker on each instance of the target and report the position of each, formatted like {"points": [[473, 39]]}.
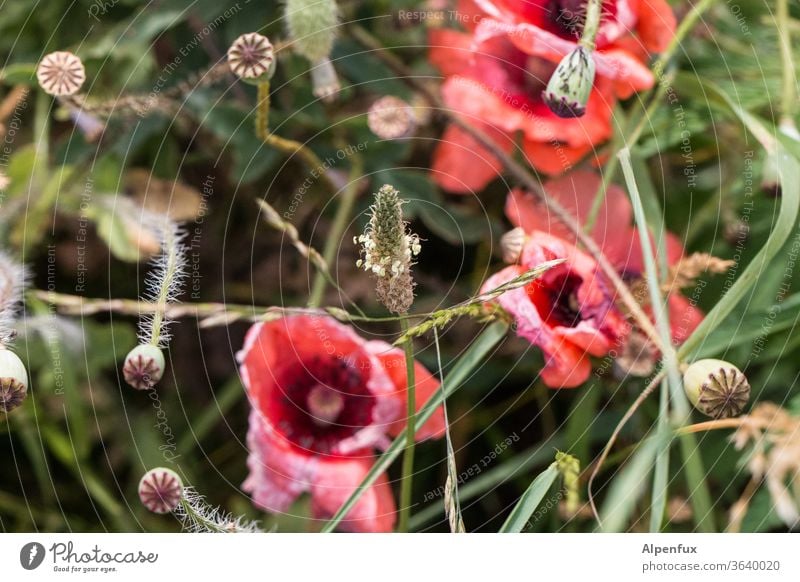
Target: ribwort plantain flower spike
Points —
{"points": [[716, 388], [387, 251], [568, 90]]}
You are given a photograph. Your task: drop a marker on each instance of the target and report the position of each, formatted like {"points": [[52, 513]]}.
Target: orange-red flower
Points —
{"points": [[323, 399], [495, 74]]}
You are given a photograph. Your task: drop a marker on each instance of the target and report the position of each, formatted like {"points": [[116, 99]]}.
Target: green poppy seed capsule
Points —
{"points": [[716, 388], [568, 90], [144, 366], [13, 380]]}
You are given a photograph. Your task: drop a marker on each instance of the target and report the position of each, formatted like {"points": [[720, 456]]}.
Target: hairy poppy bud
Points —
{"points": [[716, 388], [312, 27], [568, 90], [144, 366], [13, 380], [161, 490], [252, 58]]}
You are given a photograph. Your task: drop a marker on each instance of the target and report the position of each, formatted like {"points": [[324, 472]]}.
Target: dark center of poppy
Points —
{"points": [[566, 16], [556, 299], [319, 403]]}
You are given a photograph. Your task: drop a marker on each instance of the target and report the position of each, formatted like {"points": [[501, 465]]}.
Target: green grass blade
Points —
{"points": [[629, 486], [695, 473], [530, 500]]}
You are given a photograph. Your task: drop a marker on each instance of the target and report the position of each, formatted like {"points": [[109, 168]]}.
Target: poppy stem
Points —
{"points": [[334, 240], [594, 11], [262, 111], [408, 455]]}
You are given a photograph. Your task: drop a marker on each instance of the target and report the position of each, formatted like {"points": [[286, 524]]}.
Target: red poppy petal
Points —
{"points": [[278, 471], [567, 367], [461, 165], [271, 345], [684, 317], [576, 192], [336, 480], [656, 26], [627, 72], [394, 362], [450, 50]]}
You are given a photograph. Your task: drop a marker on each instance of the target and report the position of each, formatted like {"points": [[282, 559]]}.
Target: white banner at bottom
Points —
{"points": [[390, 557]]}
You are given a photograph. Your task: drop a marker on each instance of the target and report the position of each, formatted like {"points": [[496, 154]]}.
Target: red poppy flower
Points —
{"points": [[613, 231], [496, 72], [568, 312], [323, 399]]}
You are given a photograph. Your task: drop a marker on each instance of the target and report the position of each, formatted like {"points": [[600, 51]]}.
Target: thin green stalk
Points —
{"points": [[262, 111], [452, 500], [789, 84], [343, 212], [408, 455], [594, 9]]}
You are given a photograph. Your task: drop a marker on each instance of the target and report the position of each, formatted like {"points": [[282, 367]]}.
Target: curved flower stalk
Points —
{"points": [[13, 375], [144, 365]]}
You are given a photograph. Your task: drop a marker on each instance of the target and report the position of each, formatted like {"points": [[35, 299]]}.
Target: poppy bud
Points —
{"points": [[716, 388], [568, 90], [13, 380], [161, 490], [252, 58], [511, 244], [144, 366], [312, 27]]}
